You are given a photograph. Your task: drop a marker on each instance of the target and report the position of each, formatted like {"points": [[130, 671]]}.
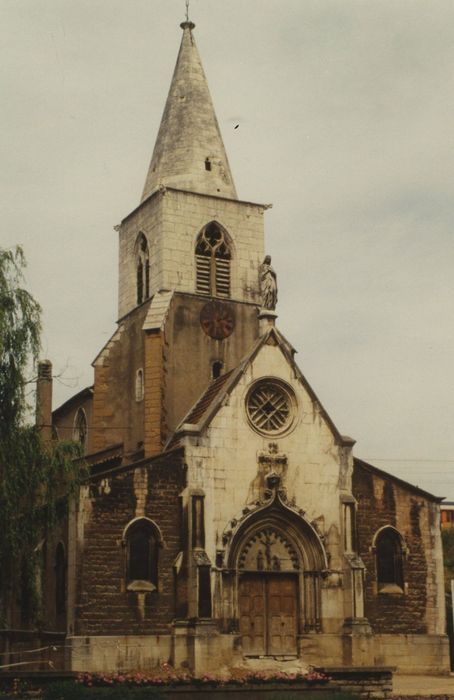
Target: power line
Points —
{"points": [[398, 459], [92, 427]]}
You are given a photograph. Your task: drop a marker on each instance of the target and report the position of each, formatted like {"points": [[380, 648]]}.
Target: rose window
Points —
{"points": [[270, 407]]}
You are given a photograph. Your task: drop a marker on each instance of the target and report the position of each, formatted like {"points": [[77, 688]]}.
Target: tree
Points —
{"points": [[34, 476]]}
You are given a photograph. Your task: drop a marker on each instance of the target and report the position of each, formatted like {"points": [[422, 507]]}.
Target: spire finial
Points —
{"points": [[187, 24], [189, 133]]}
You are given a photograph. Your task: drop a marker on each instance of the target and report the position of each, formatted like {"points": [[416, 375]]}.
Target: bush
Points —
{"points": [[64, 690], [69, 690], [307, 695]]}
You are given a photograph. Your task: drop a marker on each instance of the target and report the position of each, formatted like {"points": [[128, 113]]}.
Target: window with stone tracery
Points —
{"points": [[80, 429], [212, 260], [270, 407], [142, 269]]}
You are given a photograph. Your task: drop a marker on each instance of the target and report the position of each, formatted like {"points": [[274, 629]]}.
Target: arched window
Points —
{"points": [[212, 259], [60, 579], [143, 269], [139, 385], [216, 369], [80, 429], [389, 557], [142, 544]]}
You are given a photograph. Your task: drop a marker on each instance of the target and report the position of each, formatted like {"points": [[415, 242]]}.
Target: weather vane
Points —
{"points": [[187, 10]]}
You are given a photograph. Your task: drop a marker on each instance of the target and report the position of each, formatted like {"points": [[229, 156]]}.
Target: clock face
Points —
{"points": [[217, 320]]}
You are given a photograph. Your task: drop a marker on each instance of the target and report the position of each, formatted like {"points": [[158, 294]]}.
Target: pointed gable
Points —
{"points": [[189, 153], [214, 396]]}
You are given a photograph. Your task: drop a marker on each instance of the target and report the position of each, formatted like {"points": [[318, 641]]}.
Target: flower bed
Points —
{"points": [[167, 684], [169, 677]]}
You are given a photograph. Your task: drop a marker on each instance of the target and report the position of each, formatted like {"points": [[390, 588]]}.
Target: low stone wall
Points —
{"points": [[200, 647], [420, 654], [117, 653], [367, 682]]}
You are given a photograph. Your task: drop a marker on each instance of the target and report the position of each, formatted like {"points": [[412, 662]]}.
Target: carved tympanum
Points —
{"points": [[268, 550]]}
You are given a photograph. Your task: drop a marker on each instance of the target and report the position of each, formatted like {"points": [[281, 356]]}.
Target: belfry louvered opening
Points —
{"points": [[212, 259], [142, 269]]}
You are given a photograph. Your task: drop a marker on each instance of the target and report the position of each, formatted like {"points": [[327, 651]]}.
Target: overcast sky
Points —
{"points": [[345, 111]]}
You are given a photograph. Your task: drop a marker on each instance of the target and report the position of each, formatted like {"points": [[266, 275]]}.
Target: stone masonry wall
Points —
{"points": [[171, 221], [154, 385], [184, 336], [225, 462], [384, 502], [104, 605], [117, 416]]}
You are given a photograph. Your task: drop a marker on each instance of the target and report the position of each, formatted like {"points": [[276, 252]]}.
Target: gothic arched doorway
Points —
{"points": [[268, 584], [271, 578]]}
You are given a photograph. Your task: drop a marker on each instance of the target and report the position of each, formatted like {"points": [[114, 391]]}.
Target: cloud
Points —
{"points": [[346, 125]]}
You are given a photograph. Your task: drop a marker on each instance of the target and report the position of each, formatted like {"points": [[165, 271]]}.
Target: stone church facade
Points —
{"points": [[226, 516]]}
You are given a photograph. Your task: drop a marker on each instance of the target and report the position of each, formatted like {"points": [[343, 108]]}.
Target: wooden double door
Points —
{"points": [[268, 609]]}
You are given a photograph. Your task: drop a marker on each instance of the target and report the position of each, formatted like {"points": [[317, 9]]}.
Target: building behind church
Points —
{"points": [[225, 516]]}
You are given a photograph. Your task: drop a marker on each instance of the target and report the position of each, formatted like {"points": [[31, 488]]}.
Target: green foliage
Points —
{"points": [[307, 695], [20, 327], [67, 690], [447, 538], [33, 475]]}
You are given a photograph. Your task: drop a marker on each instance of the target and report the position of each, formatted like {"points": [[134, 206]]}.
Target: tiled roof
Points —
{"points": [[211, 399], [207, 398], [82, 394]]}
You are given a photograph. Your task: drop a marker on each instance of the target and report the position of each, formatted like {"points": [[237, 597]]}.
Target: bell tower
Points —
{"points": [[194, 232], [189, 265]]}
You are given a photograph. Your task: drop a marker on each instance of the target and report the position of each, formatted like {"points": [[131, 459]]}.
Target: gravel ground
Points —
{"points": [[423, 685]]}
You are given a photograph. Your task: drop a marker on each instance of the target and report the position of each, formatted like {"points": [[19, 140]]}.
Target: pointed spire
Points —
{"points": [[189, 153]]}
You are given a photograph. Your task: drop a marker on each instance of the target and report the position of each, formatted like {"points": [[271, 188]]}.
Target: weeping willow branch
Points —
{"points": [[34, 477]]}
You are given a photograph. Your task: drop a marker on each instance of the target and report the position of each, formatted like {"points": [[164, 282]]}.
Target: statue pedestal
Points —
{"points": [[267, 320]]}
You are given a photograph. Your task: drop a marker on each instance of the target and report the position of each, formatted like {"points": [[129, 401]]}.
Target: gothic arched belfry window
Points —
{"points": [[212, 259], [143, 269]]}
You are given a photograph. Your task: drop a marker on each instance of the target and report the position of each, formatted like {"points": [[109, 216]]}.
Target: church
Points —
{"points": [[226, 517]]}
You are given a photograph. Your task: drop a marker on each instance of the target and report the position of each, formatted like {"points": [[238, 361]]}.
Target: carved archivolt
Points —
{"points": [[271, 534], [268, 550]]}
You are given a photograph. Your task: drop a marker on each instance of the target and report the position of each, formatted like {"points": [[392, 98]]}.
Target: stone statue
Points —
{"points": [[268, 284]]}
